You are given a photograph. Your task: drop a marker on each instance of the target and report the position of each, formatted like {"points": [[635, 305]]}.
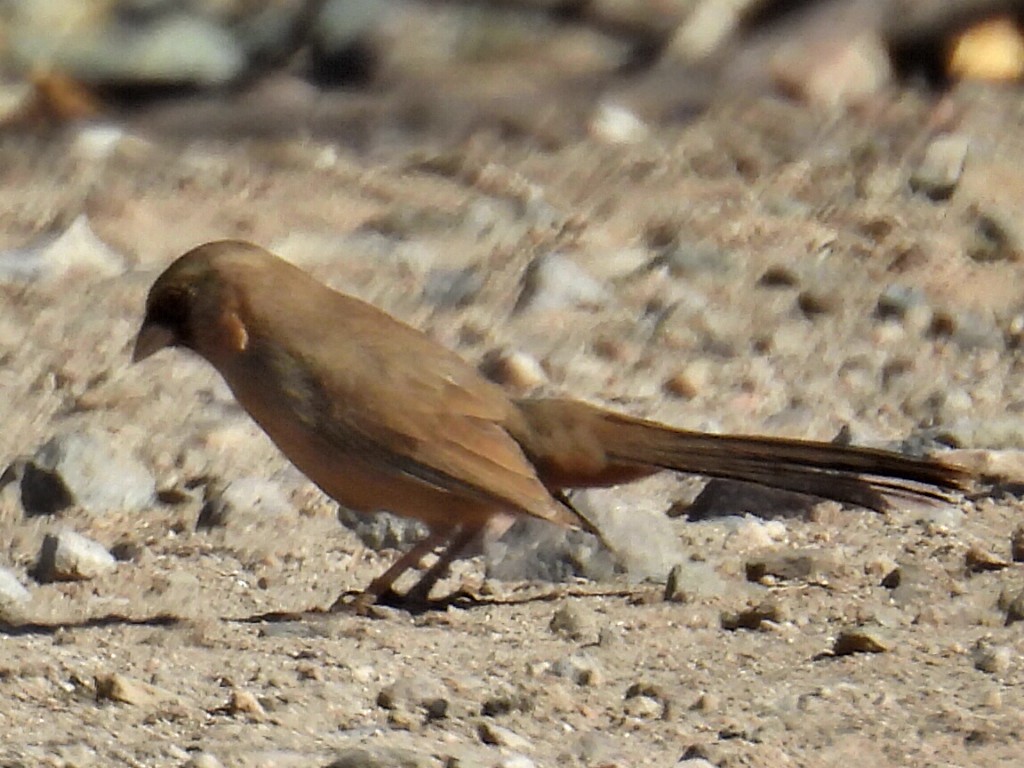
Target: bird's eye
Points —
{"points": [[171, 309]]}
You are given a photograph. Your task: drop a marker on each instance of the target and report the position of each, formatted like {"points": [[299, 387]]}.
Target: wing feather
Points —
{"points": [[380, 388]]}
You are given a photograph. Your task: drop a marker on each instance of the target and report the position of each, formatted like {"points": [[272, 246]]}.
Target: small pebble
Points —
{"points": [[569, 621], [1017, 544], [941, 167], [769, 610], [616, 124], [245, 703], [555, 282], [514, 369], [979, 560], [13, 596], [691, 381], [499, 736], [993, 659], [204, 760], [897, 300], [860, 640], [646, 700], [997, 236], [779, 276], [580, 669], [814, 303], [117, 687]]}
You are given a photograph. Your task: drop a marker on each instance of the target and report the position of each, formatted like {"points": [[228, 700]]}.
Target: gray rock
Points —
{"points": [[554, 282], [969, 330], [96, 142], [728, 498], [265, 31], [533, 550], [693, 258], [912, 585], [896, 301], [993, 659], [506, 702], [572, 621], [997, 236], [69, 556], [91, 469], [452, 288], [752, 617], [413, 693], [943, 517], [1013, 605], [642, 707], [644, 540], [1003, 432], [579, 668], [941, 167]]}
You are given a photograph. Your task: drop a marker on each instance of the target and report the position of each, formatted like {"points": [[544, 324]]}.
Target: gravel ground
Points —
{"points": [[760, 269]]}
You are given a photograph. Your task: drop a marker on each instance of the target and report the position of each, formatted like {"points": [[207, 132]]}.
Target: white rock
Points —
{"points": [[643, 538], [555, 282], [91, 469], [77, 250], [615, 124], [69, 556], [13, 596]]}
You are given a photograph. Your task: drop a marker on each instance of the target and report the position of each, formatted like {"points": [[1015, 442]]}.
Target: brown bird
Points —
{"points": [[381, 416]]}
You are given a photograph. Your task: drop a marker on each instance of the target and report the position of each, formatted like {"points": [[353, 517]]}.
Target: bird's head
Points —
{"points": [[192, 303]]}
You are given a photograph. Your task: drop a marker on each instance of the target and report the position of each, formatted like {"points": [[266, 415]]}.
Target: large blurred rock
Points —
{"points": [[103, 42], [91, 469], [75, 252]]}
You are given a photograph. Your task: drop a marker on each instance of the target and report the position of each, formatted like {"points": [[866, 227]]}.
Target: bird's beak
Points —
{"points": [[152, 338]]}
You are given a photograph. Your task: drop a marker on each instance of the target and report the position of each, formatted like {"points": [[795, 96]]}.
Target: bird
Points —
{"points": [[381, 416]]}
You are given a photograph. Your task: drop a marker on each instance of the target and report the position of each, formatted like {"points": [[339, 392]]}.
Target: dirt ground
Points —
{"points": [[756, 263]]}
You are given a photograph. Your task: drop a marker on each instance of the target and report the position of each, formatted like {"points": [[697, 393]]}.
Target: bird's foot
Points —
{"points": [[375, 605]]}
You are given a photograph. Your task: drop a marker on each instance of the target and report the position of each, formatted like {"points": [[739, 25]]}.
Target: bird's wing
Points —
{"points": [[402, 398]]}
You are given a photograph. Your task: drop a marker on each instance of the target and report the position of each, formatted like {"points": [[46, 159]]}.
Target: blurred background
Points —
{"points": [[371, 71]]}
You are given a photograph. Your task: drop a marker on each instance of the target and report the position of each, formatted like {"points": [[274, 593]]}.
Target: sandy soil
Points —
{"points": [[745, 252]]}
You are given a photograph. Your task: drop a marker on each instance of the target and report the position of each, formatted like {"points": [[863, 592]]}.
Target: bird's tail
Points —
{"points": [[866, 477]]}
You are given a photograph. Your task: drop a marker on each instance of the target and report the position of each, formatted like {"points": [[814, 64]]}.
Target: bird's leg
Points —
{"points": [[420, 591], [382, 585]]}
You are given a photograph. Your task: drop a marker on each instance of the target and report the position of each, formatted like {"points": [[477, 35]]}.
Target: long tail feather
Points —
{"points": [[867, 477]]}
